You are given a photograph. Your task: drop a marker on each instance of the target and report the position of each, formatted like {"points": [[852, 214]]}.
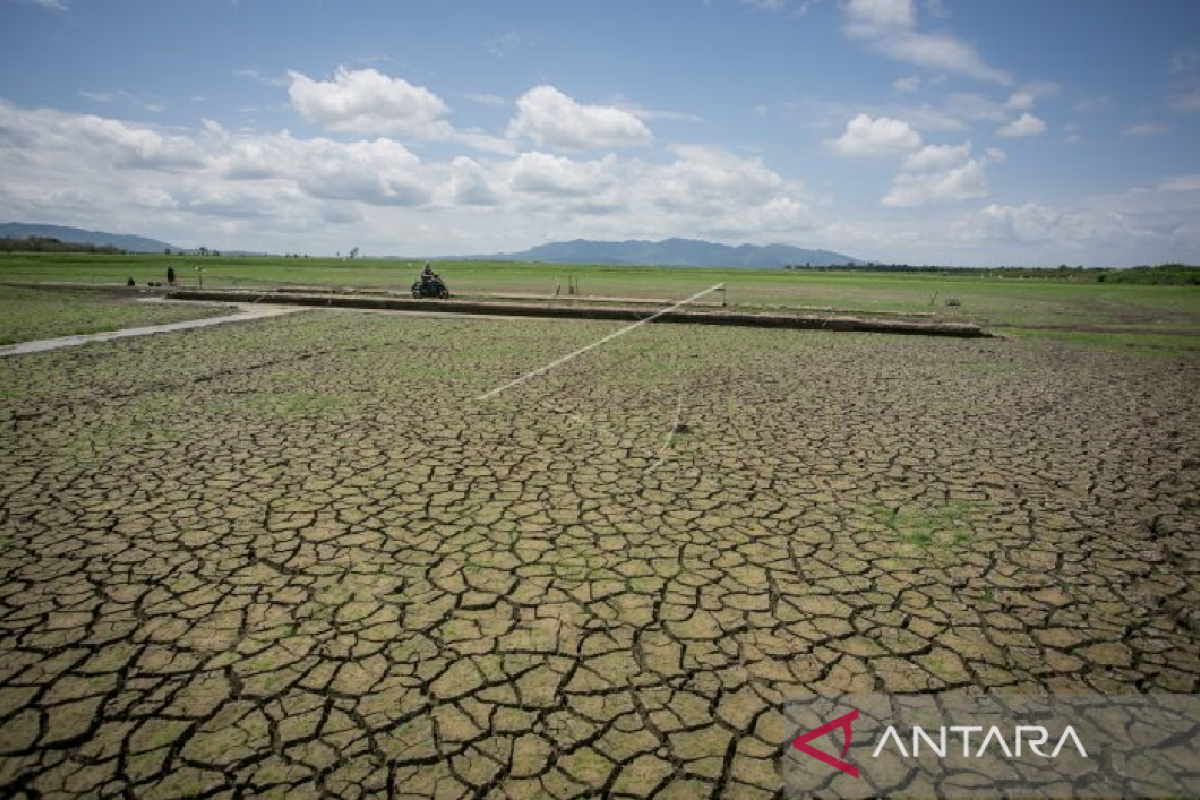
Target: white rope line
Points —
{"points": [[593, 345], [662, 451]]}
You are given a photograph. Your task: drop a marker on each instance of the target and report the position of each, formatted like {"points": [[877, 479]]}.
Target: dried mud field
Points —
{"points": [[297, 557]]}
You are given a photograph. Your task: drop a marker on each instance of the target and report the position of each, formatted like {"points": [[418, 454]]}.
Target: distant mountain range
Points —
{"points": [[666, 253], [125, 241], [679, 253]]}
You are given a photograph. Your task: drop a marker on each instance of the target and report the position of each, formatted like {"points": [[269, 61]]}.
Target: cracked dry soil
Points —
{"points": [[295, 558]]}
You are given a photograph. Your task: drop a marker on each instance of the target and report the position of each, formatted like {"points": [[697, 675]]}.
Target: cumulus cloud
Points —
{"points": [[552, 119], [380, 172], [367, 101], [73, 138], [940, 174], [471, 184], [277, 190], [962, 182], [935, 157], [1020, 101], [1025, 125], [712, 175], [869, 136], [1036, 223], [1031, 222], [1145, 224], [890, 27], [546, 174]]}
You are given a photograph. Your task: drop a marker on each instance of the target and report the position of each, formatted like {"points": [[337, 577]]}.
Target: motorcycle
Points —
{"points": [[430, 287]]}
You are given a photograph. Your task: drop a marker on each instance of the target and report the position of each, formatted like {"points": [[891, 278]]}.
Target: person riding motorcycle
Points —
{"points": [[430, 284]]}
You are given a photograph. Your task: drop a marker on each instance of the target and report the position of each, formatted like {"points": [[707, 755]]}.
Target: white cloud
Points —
{"points": [[546, 174], [1144, 129], [380, 172], [471, 184], [1031, 222], [1020, 101], [1143, 225], [873, 15], [1035, 223], [1181, 183], [889, 27], [936, 157], [1026, 125], [282, 192], [868, 136], [907, 85], [367, 101], [712, 175], [68, 139], [552, 119], [963, 182], [940, 174]]}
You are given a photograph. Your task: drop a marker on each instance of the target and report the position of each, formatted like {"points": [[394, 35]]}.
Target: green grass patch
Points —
{"points": [[1143, 344], [947, 527], [28, 314]]}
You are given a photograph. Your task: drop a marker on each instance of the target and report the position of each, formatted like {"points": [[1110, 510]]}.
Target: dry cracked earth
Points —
{"points": [[297, 557]]}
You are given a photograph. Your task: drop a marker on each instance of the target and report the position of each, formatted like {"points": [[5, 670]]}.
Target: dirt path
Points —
{"points": [[246, 311]]}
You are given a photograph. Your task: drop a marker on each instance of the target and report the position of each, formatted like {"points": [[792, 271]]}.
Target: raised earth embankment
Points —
{"points": [[578, 311]]}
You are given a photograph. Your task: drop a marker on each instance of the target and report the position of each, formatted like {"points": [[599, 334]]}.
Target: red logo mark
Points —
{"points": [[801, 742]]}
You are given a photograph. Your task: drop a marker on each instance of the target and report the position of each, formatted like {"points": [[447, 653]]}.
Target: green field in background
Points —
{"points": [[985, 299]]}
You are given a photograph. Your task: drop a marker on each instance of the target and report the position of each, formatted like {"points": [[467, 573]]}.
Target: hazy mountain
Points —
{"points": [[125, 241], [679, 253]]}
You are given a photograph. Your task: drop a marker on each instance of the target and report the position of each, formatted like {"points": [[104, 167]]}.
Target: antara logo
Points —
{"points": [[801, 743], [1032, 736]]}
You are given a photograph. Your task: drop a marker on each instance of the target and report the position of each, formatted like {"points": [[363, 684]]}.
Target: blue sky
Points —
{"points": [[919, 131]]}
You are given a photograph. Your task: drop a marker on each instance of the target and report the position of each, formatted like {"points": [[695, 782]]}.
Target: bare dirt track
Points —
{"points": [[295, 557]]}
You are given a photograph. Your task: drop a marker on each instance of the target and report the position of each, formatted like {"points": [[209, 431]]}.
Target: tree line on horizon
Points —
{"points": [[1167, 274], [46, 244]]}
